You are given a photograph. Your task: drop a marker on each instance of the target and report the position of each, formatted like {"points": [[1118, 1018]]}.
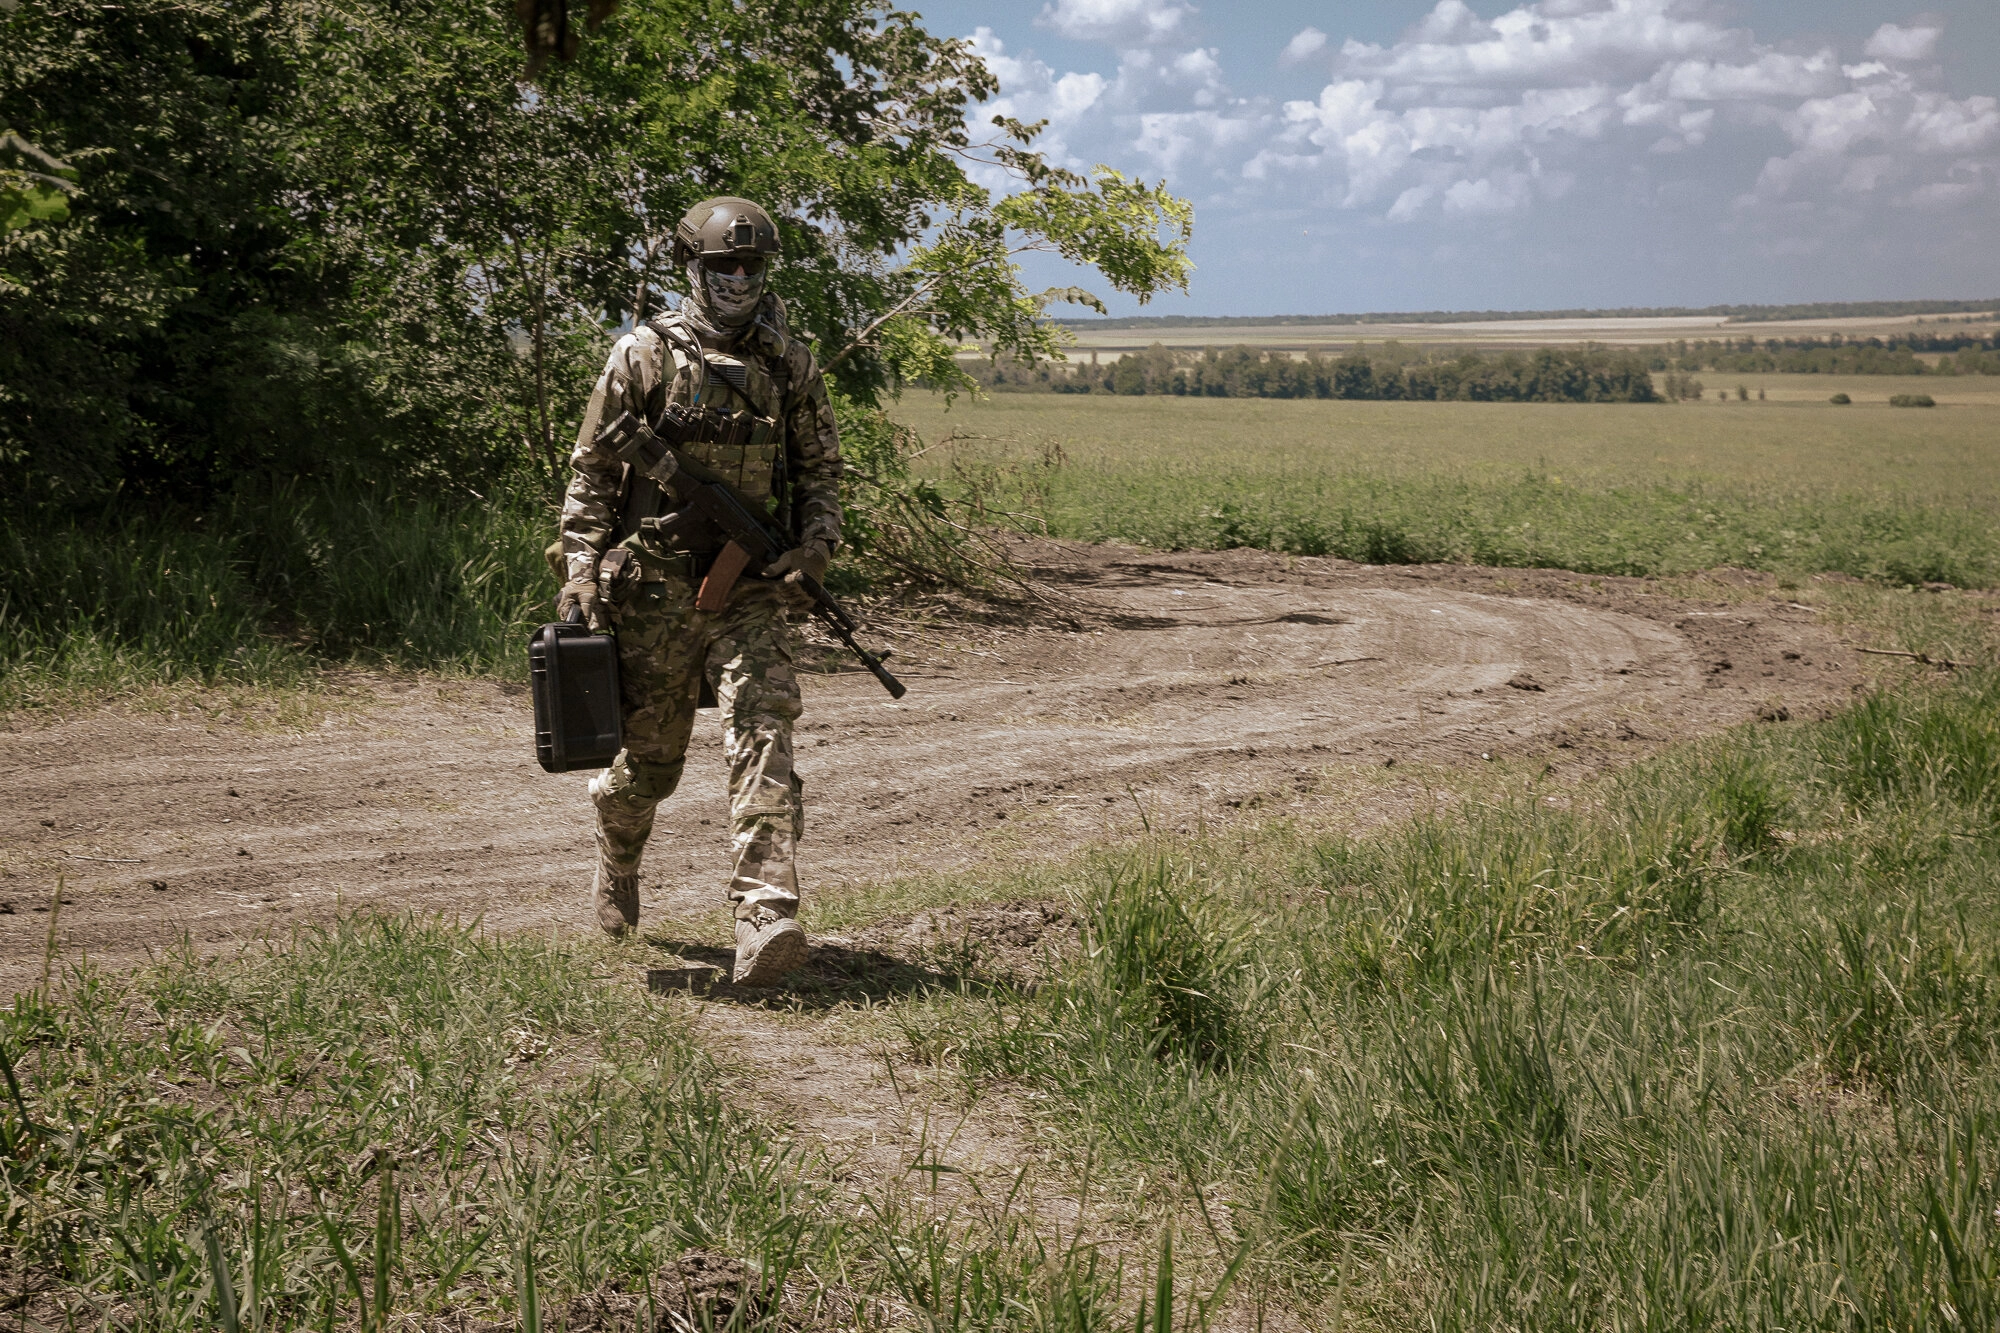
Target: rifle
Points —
{"points": [[709, 510]]}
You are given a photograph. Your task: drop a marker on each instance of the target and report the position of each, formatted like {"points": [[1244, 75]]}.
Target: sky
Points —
{"points": [[1370, 155]]}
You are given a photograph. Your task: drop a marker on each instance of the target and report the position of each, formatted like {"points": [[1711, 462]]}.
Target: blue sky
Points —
{"points": [[1489, 154]]}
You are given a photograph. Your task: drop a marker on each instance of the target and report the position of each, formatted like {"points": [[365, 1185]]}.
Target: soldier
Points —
{"points": [[726, 348]]}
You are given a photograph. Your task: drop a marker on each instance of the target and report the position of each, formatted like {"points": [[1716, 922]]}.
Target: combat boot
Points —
{"points": [[768, 947], [616, 899]]}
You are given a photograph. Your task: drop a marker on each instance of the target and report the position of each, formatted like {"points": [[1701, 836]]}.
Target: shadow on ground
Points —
{"points": [[971, 948], [836, 976]]}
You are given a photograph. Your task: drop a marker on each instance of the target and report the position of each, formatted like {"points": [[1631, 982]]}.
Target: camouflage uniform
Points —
{"points": [[667, 648]]}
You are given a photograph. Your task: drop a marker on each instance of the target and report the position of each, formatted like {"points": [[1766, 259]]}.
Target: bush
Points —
{"points": [[1840, 400], [1920, 747], [1912, 400], [267, 585], [1171, 961]]}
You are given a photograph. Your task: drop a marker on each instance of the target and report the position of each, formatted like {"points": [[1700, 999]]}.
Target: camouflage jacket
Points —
{"points": [[765, 371]]}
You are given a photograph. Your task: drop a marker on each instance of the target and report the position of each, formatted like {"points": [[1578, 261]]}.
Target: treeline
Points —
{"points": [[1392, 372], [341, 237], [1748, 314], [1902, 354]]}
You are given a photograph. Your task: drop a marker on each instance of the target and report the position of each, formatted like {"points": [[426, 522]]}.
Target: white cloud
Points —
{"points": [[1464, 128], [1305, 43], [1893, 43], [1031, 91], [1771, 75], [1539, 44], [1123, 22], [1451, 21], [1506, 193], [1924, 147], [1472, 117], [1174, 142], [1938, 124]]}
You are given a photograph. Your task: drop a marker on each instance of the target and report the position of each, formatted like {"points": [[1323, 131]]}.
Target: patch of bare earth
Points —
{"points": [[1175, 689]]}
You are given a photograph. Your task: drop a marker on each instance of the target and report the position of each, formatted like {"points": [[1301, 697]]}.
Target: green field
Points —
{"points": [[1708, 1042], [1792, 484], [1706, 1046]]}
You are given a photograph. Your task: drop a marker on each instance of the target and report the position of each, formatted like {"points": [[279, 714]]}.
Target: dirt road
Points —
{"points": [[1188, 687]]}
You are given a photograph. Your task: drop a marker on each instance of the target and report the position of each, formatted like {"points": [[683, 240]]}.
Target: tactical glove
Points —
{"points": [[794, 567], [582, 595]]}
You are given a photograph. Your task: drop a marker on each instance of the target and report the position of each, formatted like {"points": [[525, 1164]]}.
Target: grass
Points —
{"points": [[266, 591], [272, 588], [1788, 486], [400, 1122], [384, 1114], [1710, 1044]]}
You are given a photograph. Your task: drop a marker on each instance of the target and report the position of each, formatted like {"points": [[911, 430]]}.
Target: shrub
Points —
{"points": [[1912, 400], [1894, 988], [1840, 400]]}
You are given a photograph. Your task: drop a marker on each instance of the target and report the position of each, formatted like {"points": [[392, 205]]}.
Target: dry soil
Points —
{"points": [[1177, 689]]}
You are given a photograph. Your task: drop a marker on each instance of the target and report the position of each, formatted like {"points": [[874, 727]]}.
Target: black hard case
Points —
{"points": [[574, 675]]}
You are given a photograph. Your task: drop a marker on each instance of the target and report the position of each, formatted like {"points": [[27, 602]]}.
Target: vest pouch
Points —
{"points": [[749, 462], [573, 675]]}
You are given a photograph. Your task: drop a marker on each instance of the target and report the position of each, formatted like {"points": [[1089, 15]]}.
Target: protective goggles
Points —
{"points": [[751, 265]]}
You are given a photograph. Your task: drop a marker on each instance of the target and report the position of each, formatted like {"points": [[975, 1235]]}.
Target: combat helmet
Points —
{"points": [[726, 225], [727, 244]]}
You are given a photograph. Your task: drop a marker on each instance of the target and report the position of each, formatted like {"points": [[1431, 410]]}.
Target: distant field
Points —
{"points": [[1511, 333], [1792, 483]]}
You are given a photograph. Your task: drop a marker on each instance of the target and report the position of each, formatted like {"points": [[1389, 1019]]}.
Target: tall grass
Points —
{"points": [[1711, 1044], [388, 1113], [267, 587], [389, 1122]]}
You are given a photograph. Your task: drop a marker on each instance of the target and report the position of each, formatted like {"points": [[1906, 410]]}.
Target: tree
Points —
{"points": [[167, 271], [34, 186], [326, 236]]}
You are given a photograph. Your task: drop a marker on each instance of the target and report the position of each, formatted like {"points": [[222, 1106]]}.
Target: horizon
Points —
{"points": [[1776, 312]]}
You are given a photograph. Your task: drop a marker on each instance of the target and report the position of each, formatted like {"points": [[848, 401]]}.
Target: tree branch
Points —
{"points": [[922, 289], [861, 339]]}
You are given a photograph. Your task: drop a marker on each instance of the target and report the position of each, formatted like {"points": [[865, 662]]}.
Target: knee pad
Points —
{"points": [[637, 781]]}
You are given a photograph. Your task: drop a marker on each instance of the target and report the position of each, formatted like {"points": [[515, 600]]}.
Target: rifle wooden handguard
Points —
{"points": [[722, 575]]}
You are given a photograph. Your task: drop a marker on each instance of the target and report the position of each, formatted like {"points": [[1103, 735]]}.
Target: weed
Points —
{"points": [[345, 1127], [1172, 965], [1919, 747], [266, 590], [1748, 805], [1638, 1063], [1887, 989], [350, 1130]]}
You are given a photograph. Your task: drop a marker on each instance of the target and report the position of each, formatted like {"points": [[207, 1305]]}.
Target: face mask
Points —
{"points": [[732, 297]]}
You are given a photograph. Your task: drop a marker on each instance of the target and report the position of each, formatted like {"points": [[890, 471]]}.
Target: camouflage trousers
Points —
{"points": [[666, 648]]}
